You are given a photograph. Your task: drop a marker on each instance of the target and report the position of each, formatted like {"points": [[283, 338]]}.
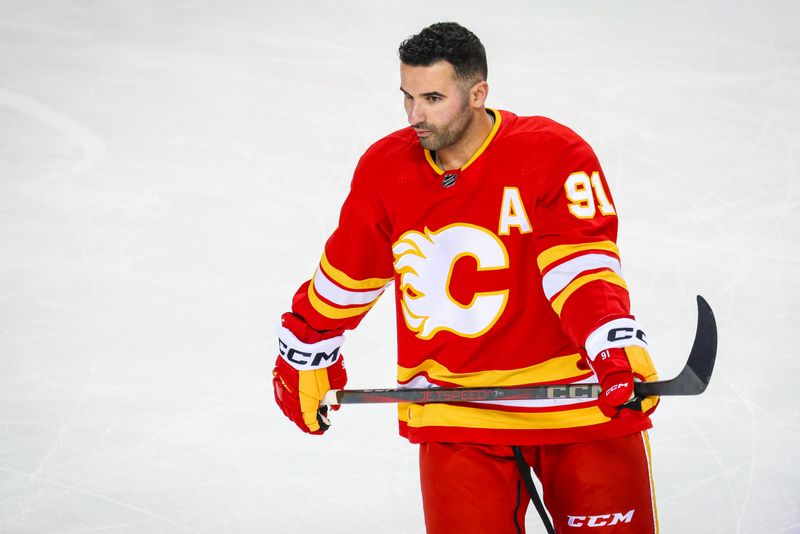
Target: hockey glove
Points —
{"points": [[308, 365], [618, 356]]}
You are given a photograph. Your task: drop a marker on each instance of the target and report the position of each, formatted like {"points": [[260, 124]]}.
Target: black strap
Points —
{"points": [[525, 471]]}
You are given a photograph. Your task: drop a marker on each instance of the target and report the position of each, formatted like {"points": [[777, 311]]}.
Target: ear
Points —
{"points": [[478, 94]]}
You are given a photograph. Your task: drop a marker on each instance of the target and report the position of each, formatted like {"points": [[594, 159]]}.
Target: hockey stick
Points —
{"points": [[692, 380]]}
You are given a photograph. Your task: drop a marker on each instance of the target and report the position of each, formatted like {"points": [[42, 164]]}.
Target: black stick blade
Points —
{"points": [[695, 376], [704, 349]]}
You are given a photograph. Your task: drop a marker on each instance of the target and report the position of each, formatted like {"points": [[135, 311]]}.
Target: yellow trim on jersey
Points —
{"points": [[332, 312], [432, 163], [441, 414], [555, 369], [553, 254], [607, 276], [497, 120], [350, 283]]}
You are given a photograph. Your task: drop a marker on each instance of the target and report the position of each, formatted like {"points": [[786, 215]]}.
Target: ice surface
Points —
{"points": [[170, 170]]}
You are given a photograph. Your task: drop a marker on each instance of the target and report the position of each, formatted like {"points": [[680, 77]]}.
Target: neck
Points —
{"points": [[457, 155]]}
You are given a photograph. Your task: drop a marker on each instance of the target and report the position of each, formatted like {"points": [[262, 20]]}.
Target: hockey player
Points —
{"points": [[499, 233]]}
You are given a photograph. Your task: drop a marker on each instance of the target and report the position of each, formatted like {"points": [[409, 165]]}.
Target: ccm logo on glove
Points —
{"points": [[610, 390], [302, 356], [307, 359], [620, 334]]}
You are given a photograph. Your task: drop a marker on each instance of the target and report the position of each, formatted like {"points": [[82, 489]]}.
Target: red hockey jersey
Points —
{"points": [[501, 270]]}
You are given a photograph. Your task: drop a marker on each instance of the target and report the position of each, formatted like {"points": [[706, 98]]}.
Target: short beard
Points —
{"points": [[449, 134]]}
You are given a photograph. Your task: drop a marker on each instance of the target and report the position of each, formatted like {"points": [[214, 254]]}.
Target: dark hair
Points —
{"points": [[450, 42]]}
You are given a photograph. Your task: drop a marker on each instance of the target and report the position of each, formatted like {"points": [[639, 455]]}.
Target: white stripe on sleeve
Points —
{"points": [[560, 277], [342, 297]]}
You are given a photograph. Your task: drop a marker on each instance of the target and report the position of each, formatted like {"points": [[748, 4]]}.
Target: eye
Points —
{"points": [[433, 98]]}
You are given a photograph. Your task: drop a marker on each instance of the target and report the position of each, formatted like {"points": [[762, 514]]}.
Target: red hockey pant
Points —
{"points": [[593, 487]]}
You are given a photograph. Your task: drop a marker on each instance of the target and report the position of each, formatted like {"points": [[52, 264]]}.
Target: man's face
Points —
{"points": [[437, 104]]}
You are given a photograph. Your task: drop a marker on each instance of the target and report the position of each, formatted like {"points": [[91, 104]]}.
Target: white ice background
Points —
{"points": [[169, 171]]}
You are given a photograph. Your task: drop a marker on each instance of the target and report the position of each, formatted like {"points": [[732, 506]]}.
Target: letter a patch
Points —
{"points": [[512, 213]]}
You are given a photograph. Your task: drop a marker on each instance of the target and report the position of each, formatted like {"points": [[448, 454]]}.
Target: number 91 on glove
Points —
{"points": [[308, 365]]}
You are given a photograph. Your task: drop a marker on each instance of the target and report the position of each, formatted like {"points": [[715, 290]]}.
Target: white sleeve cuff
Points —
{"points": [[308, 356], [615, 334]]}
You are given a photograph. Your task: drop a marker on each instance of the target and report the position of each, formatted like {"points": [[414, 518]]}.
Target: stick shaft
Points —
{"points": [[378, 396]]}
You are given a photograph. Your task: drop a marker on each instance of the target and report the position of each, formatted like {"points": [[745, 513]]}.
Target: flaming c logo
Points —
{"points": [[425, 262]]}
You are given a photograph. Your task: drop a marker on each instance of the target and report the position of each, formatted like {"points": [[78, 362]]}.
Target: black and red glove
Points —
{"points": [[618, 355], [308, 365]]}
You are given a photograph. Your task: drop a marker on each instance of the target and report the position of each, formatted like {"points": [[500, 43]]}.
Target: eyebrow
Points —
{"points": [[429, 93]]}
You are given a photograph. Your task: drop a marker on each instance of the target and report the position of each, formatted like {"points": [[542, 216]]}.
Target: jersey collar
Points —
{"points": [[497, 120]]}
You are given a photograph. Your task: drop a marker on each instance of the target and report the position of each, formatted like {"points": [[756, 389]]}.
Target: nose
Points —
{"points": [[415, 114]]}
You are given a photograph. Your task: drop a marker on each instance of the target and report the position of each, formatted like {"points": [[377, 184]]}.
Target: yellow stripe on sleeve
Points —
{"points": [[553, 254], [607, 276], [347, 282], [333, 312]]}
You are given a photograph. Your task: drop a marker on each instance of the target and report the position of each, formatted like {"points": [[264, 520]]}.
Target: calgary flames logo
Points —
{"points": [[425, 263]]}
